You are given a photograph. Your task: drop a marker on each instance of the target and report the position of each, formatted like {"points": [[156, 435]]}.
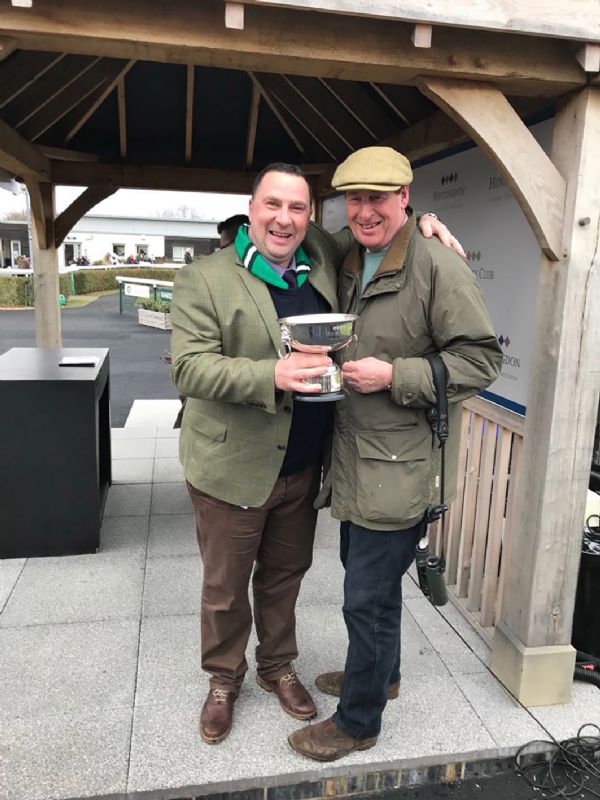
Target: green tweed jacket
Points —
{"points": [[225, 345]]}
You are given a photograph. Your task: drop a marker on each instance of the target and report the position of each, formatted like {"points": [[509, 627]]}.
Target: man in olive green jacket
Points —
{"points": [[251, 455], [413, 297]]}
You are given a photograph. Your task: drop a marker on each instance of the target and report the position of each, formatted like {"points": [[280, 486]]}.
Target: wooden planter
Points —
{"points": [[154, 319]]}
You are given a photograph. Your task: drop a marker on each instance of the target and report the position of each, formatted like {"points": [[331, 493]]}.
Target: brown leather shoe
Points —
{"points": [[216, 716], [326, 742], [293, 697], [331, 683]]}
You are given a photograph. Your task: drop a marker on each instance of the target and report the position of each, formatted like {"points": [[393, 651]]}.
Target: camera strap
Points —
{"points": [[438, 420]]}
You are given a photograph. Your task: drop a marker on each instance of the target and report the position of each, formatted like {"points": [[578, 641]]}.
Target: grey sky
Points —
{"points": [[211, 207]]}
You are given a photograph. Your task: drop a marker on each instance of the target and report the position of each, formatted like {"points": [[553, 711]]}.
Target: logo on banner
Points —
{"points": [[450, 190], [481, 273], [509, 359], [497, 188]]}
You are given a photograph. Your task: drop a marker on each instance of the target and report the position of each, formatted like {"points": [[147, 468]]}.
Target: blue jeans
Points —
{"points": [[375, 562]]}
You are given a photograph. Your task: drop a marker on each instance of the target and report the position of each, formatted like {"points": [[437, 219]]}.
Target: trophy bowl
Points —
{"points": [[319, 333]]}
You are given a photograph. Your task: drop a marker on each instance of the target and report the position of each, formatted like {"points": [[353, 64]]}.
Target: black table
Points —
{"points": [[55, 462]]}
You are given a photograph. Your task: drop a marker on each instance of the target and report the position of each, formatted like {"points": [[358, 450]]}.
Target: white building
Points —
{"points": [[95, 236]]}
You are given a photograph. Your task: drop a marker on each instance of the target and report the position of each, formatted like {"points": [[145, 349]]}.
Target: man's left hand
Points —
{"points": [[367, 375], [430, 226]]}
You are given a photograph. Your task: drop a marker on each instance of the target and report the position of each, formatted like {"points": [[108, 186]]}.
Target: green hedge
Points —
{"points": [[17, 290], [101, 280]]}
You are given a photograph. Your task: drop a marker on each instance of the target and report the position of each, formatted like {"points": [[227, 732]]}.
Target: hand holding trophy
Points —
{"points": [[318, 334]]}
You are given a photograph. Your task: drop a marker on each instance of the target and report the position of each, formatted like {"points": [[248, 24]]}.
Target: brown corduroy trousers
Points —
{"points": [[276, 540]]}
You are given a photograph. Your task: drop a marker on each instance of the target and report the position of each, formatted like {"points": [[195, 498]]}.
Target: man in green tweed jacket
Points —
{"points": [[251, 456]]}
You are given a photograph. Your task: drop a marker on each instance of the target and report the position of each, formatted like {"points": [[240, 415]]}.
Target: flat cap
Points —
{"points": [[381, 169]]}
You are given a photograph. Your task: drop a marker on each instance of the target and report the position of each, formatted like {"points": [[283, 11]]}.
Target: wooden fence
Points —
{"points": [[477, 528]]}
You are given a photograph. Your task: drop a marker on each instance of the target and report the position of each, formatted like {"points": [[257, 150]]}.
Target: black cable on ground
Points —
{"points": [[572, 767]]}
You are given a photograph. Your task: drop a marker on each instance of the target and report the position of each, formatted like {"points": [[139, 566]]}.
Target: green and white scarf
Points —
{"points": [[259, 266]]}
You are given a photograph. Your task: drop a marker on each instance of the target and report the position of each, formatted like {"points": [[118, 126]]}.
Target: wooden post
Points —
{"points": [[532, 653], [45, 265]]}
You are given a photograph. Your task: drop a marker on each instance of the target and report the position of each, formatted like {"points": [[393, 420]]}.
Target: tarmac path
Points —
{"points": [[136, 369]]}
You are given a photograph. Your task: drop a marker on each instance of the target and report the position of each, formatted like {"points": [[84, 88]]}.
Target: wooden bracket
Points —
{"points": [[234, 16], [421, 35], [589, 57]]}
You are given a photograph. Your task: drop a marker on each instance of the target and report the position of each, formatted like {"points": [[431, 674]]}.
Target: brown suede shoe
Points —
{"points": [[326, 742], [216, 716], [331, 683], [293, 697]]}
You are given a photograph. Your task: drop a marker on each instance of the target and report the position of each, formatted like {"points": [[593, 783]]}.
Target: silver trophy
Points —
{"points": [[310, 333]]}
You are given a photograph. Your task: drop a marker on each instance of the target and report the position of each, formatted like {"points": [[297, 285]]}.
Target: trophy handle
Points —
{"points": [[286, 341], [353, 338]]}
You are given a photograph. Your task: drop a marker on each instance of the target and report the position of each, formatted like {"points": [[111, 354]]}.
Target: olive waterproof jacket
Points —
{"points": [[422, 299]]}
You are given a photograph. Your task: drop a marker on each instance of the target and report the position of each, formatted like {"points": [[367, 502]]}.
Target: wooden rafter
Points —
{"points": [[304, 115], [487, 116], [252, 125], [274, 40], [61, 154], [63, 102], [356, 97], [94, 101], [46, 88], [19, 156], [189, 111], [89, 198], [122, 118], [22, 70], [348, 108], [280, 118], [304, 95], [185, 179], [390, 103], [421, 35]]}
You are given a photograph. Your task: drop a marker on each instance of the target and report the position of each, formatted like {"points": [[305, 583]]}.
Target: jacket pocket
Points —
{"points": [[392, 474], [212, 429]]}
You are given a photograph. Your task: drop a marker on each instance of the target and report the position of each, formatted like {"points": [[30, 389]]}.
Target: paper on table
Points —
{"points": [[78, 361]]}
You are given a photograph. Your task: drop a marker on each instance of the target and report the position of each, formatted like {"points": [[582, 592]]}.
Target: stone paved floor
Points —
{"points": [[99, 679]]}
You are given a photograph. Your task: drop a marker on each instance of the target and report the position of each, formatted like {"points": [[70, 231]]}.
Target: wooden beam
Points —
{"points": [[95, 101], [487, 116], [252, 125], [275, 40], [534, 635], [131, 176], [61, 154], [189, 111], [41, 200], [304, 116], [20, 157], [22, 70], [45, 88], [67, 99], [390, 103], [80, 206], [234, 16], [539, 17], [7, 46], [266, 97], [421, 35], [322, 112], [364, 104], [349, 108], [588, 55], [122, 118]]}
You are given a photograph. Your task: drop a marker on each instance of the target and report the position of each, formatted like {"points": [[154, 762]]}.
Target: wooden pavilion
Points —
{"points": [[199, 94]]}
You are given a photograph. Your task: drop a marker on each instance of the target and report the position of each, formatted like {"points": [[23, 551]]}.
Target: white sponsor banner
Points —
{"points": [[470, 197], [136, 290]]}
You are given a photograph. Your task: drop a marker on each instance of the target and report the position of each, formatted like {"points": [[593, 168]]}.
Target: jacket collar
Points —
{"points": [[394, 259]]}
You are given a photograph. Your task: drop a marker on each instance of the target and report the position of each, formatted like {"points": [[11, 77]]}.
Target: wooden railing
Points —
{"points": [[477, 529]]}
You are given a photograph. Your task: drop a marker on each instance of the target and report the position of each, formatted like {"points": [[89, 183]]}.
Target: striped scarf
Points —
{"points": [[259, 266]]}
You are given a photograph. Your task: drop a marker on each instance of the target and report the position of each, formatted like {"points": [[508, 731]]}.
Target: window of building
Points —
{"points": [[141, 251], [179, 252], [119, 250], [15, 251]]}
